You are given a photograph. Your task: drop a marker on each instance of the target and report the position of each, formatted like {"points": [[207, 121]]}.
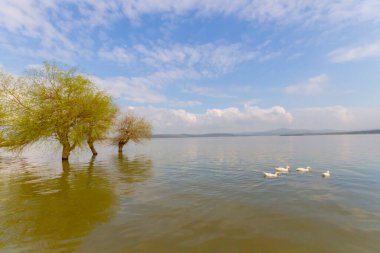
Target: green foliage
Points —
{"points": [[10, 101], [100, 112], [53, 102], [2, 122], [131, 128]]}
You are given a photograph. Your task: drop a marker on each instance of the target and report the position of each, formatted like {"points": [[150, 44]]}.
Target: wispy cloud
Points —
{"points": [[207, 92], [116, 54], [269, 56], [137, 89], [28, 18], [208, 59], [56, 29], [142, 89], [355, 53], [314, 85], [186, 103], [264, 11], [67, 24]]}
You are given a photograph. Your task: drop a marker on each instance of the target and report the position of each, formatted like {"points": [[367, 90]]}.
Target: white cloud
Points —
{"points": [[283, 11], [332, 114], [189, 103], [207, 92], [57, 29], [337, 117], [174, 64], [136, 89], [28, 18], [64, 29], [269, 56], [208, 58], [117, 54], [146, 88], [355, 53], [251, 118], [215, 120], [34, 66], [313, 85]]}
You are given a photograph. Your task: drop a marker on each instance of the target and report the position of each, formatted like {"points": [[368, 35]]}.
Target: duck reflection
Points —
{"points": [[45, 214]]}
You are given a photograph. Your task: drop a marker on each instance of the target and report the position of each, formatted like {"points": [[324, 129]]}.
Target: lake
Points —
{"points": [[195, 195]]}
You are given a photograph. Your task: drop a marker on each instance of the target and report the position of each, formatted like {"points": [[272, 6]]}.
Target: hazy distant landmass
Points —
{"points": [[275, 132], [374, 131]]}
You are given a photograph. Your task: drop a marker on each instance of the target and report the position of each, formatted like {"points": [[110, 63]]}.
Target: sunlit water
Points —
{"points": [[195, 195]]}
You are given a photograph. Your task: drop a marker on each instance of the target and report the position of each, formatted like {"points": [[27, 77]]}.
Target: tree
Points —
{"points": [[2, 122], [12, 92], [55, 103], [100, 111], [131, 128], [2, 118]]}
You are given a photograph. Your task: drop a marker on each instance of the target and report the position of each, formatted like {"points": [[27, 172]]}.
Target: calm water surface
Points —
{"points": [[195, 195]]}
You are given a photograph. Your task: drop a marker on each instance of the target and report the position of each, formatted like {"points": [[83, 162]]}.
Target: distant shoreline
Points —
{"points": [[269, 133], [337, 133]]}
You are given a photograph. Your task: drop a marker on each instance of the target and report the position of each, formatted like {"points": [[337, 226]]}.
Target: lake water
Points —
{"points": [[195, 195]]}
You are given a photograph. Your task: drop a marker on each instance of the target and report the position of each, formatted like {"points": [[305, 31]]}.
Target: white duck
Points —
{"points": [[307, 169], [283, 170], [271, 175], [326, 174]]}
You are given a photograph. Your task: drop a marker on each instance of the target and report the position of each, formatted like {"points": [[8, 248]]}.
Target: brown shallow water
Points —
{"points": [[195, 195]]}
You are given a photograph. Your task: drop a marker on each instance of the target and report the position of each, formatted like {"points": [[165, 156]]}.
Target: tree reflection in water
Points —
{"points": [[45, 214], [135, 170]]}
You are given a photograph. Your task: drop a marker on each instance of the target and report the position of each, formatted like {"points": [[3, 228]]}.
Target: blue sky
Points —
{"points": [[212, 66]]}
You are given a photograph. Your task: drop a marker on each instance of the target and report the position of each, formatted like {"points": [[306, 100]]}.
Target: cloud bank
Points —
{"points": [[253, 118]]}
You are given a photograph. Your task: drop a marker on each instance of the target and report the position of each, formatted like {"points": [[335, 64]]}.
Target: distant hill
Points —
{"points": [[286, 131], [275, 132], [375, 131], [193, 135]]}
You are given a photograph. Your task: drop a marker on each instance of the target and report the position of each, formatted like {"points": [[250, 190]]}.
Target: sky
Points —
{"points": [[206, 66]]}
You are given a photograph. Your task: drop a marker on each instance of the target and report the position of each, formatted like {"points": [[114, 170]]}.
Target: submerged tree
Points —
{"points": [[100, 114], [55, 103], [131, 128], [12, 102], [2, 116], [2, 122]]}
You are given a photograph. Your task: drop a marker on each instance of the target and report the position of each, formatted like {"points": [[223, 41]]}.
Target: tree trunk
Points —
{"points": [[92, 147], [121, 145], [66, 152], [65, 166]]}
